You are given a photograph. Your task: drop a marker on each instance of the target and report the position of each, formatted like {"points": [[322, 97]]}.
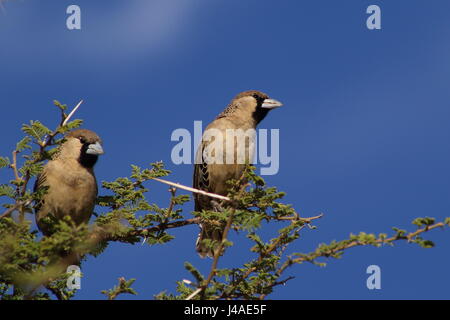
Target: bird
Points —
{"points": [[70, 180], [245, 112]]}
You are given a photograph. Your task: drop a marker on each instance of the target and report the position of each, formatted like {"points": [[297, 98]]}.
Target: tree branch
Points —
{"points": [[14, 166], [171, 225], [353, 243], [16, 206]]}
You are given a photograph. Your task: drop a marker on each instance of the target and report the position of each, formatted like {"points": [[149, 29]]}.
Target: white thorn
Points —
{"points": [[177, 185], [72, 112]]}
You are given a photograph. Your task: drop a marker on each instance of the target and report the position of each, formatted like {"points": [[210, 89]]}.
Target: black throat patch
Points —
{"points": [[260, 113], [87, 160]]}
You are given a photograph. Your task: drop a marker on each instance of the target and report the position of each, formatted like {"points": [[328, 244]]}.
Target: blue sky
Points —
{"points": [[364, 128]]}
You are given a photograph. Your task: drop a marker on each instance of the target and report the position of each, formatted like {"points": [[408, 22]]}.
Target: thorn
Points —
{"points": [[180, 186], [72, 113], [194, 294]]}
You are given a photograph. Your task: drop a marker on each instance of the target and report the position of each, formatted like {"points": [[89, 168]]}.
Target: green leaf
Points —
{"points": [[70, 126], [426, 244], [4, 162], [32, 169], [195, 273], [427, 221], [124, 286], [36, 130], [6, 191], [23, 144], [62, 107]]}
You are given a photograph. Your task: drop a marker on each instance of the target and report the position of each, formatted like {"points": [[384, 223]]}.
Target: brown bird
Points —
{"points": [[244, 112], [69, 176]]}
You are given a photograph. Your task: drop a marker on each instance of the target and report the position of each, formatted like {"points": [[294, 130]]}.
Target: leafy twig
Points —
{"points": [[346, 244], [124, 286]]}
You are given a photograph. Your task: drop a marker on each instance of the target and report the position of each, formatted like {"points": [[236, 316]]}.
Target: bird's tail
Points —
{"points": [[208, 232]]}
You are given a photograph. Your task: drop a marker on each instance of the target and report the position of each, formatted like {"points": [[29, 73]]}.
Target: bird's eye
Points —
{"points": [[256, 96], [82, 140]]}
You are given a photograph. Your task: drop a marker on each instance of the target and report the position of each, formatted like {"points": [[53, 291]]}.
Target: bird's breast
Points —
{"points": [[71, 192]]}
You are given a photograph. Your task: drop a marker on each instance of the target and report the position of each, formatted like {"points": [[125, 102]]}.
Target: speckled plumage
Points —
{"points": [[244, 112]]}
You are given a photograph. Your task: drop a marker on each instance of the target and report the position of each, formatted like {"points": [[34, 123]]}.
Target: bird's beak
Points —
{"points": [[95, 149], [271, 104]]}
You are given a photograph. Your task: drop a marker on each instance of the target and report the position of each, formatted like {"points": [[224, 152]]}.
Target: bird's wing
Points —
{"points": [[201, 179]]}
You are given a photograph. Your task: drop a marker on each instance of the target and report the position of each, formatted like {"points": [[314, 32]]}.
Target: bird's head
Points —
{"points": [[83, 145], [254, 105]]}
